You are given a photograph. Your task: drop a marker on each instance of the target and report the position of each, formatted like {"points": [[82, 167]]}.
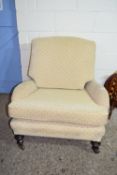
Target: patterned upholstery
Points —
{"points": [[55, 102], [111, 86]]}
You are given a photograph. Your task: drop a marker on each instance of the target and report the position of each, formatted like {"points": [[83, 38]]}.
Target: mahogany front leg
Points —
{"points": [[20, 141]]}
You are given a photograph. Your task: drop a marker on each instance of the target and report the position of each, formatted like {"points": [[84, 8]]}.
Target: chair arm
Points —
{"points": [[23, 90], [98, 93]]}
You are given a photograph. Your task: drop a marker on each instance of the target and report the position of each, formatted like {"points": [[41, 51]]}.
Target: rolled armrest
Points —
{"points": [[23, 90], [98, 93]]}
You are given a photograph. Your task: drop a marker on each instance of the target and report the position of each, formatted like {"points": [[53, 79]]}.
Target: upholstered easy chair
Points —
{"points": [[61, 99]]}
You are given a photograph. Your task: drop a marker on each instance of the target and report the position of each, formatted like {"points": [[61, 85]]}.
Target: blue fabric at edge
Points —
{"points": [[10, 66]]}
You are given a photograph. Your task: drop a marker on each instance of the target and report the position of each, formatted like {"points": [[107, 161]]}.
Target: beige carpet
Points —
{"points": [[44, 156]]}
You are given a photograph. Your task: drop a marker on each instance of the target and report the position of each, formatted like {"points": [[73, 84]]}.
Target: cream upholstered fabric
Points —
{"points": [[60, 130], [98, 93], [23, 90], [55, 102], [70, 106], [62, 62]]}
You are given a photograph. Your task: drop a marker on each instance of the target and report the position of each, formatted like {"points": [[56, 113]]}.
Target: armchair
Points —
{"points": [[61, 99]]}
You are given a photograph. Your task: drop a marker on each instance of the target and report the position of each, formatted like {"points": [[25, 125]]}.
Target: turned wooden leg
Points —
{"points": [[20, 141], [96, 146], [110, 111]]}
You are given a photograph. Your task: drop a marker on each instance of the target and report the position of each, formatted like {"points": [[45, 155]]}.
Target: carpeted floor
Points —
{"points": [[44, 156]]}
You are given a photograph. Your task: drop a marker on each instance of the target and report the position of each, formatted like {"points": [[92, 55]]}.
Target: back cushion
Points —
{"points": [[62, 62]]}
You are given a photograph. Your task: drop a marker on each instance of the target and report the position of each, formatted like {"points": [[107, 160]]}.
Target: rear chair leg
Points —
{"points": [[110, 111], [96, 146], [20, 141]]}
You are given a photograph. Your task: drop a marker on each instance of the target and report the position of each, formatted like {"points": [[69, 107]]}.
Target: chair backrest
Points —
{"points": [[62, 62]]}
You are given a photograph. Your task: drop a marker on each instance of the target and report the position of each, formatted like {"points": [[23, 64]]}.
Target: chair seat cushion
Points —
{"points": [[58, 105]]}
